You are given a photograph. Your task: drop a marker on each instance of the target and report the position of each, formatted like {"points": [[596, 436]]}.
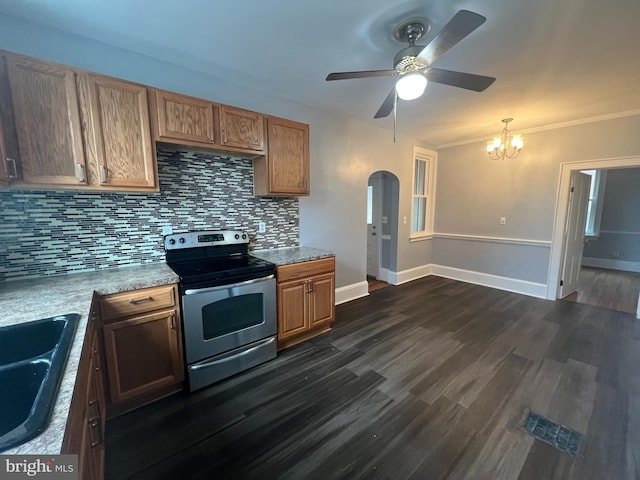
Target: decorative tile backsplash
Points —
{"points": [[55, 232]]}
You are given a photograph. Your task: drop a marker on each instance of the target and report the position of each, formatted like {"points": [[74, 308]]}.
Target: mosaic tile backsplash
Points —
{"points": [[55, 232]]}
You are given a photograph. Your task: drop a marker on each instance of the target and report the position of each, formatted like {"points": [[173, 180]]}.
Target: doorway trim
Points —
{"points": [[562, 205]]}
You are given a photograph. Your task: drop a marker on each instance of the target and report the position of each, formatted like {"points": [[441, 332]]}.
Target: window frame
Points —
{"points": [[430, 158]]}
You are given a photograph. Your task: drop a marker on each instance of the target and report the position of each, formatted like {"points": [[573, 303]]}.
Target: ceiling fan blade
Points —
{"points": [[387, 106], [462, 24], [361, 74], [470, 81]]}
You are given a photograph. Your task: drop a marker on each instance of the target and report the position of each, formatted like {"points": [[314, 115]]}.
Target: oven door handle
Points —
{"points": [[226, 287], [233, 356]]}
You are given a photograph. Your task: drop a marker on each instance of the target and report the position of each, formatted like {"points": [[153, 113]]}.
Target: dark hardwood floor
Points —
{"points": [[427, 380], [613, 289]]}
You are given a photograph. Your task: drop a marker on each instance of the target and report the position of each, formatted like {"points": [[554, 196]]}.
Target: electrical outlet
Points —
{"points": [[262, 227], [503, 220], [404, 219], [167, 230]]}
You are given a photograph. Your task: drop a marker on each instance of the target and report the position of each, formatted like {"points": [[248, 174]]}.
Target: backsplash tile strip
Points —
{"points": [[55, 232]]}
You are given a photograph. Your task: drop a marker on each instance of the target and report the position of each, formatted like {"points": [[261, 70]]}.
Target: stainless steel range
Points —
{"points": [[228, 302]]}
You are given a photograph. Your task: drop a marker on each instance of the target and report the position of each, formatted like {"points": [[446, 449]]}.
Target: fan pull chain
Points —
{"points": [[395, 115]]}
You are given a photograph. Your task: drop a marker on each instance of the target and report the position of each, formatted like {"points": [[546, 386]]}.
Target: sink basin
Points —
{"points": [[32, 359], [29, 340]]}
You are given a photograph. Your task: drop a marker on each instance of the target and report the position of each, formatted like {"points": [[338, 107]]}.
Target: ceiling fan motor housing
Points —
{"points": [[404, 60]]}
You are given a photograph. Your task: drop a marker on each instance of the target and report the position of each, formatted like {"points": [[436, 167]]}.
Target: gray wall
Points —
{"points": [[474, 191], [344, 152], [620, 223]]}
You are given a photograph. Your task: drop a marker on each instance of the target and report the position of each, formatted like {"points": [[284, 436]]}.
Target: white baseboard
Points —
{"points": [[611, 263], [524, 287], [398, 278], [360, 289], [383, 274], [351, 292]]}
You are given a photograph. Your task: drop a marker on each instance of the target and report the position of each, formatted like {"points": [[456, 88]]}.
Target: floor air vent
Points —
{"points": [[556, 435]]}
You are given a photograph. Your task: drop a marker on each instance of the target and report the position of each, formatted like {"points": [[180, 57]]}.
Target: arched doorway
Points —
{"points": [[383, 193]]}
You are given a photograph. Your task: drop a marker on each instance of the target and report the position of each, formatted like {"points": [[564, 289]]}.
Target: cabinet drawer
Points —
{"points": [[305, 269], [119, 305]]}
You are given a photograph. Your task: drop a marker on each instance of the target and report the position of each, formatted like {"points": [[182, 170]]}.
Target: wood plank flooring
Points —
{"points": [[612, 289], [427, 380]]}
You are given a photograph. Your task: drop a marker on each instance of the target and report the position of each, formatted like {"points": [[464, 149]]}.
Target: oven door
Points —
{"points": [[219, 319]]}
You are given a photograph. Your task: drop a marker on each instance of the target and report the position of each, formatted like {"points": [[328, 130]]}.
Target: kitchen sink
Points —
{"points": [[32, 359]]}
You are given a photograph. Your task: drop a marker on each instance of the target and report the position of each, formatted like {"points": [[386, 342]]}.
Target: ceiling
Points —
{"points": [[555, 62]]}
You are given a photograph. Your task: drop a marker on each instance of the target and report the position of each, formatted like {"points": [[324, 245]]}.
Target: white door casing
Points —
{"points": [[574, 233]]}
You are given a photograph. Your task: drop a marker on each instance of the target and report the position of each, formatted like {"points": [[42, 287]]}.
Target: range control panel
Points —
{"points": [[206, 238]]}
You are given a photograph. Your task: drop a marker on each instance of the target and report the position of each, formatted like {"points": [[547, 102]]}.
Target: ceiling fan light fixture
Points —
{"points": [[411, 85]]}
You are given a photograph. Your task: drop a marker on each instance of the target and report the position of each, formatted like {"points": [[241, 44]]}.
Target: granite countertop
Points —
{"points": [[284, 256], [31, 299]]}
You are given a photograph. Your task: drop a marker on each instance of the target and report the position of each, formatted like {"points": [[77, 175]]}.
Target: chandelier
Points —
{"points": [[506, 145]]}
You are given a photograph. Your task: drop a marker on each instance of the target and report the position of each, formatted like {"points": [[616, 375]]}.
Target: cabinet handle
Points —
{"points": [[135, 301], [173, 320], [310, 286], [12, 168], [80, 172], [97, 369], [92, 402], [103, 174]]}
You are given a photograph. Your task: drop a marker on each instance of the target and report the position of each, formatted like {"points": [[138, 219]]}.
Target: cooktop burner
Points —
{"points": [[212, 258]]}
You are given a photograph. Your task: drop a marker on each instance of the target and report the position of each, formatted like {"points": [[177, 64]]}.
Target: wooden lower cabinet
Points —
{"points": [[306, 300], [84, 434], [143, 347]]}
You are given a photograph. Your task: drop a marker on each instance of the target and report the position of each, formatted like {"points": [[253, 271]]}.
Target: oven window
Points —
{"points": [[232, 314]]}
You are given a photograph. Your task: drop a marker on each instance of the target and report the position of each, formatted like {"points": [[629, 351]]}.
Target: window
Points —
{"points": [[424, 162], [596, 197]]}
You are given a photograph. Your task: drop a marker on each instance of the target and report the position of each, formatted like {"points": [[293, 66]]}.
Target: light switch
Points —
{"points": [[503, 220]]}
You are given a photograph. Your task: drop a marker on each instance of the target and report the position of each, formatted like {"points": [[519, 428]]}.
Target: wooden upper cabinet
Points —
{"points": [[115, 116], [179, 117], [9, 164], [241, 128], [285, 168], [45, 103]]}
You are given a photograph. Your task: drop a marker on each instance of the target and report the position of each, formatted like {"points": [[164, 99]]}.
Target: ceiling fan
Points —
{"points": [[413, 63]]}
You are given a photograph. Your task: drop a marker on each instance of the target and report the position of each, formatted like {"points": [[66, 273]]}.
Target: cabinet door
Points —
{"points": [[292, 309], [321, 299], [45, 103], [241, 128], [115, 115], [94, 418], [8, 156], [143, 354], [286, 169], [179, 117]]}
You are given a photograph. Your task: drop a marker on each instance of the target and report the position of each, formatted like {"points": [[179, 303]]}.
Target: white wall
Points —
{"points": [[343, 152], [474, 191]]}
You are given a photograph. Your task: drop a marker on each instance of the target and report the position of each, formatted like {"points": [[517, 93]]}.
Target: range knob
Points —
{"points": [[237, 236], [172, 241], [182, 240], [244, 236]]}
